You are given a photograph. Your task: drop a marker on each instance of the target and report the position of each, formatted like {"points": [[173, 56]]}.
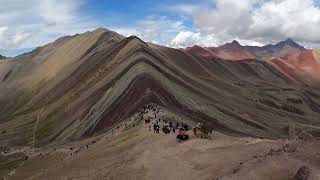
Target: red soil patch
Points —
{"points": [[303, 68], [197, 50]]}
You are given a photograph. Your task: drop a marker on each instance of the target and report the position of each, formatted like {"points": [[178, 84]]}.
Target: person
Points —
{"points": [[155, 128], [158, 128], [182, 135], [186, 127], [149, 127], [164, 129]]}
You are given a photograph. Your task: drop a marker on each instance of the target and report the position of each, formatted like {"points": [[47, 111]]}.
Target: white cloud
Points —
{"points": [[246, 42], [26, 24], [253, 22], [299, 19], [188, 38], [2, 33], [19, 38], [8, 40], [229, 18], [185, 8], [158, 29], [155, 29]]}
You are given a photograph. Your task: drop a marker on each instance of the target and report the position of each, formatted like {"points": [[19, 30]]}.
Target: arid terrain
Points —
{"points": [[70, 110], [140, 154]]}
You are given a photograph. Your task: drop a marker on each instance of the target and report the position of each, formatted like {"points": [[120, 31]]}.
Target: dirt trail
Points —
{"points": [[35, 127]]}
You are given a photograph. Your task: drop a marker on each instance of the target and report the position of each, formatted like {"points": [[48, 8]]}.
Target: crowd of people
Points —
{"points": [[153, 121], [167, 127]]}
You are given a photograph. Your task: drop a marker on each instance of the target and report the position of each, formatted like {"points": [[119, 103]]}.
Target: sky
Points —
{"points": [[25, 25]]}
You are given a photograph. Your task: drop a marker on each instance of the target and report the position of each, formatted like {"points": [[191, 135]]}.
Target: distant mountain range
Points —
{"points": [[282, 49], [235, 51], [292, 59]]}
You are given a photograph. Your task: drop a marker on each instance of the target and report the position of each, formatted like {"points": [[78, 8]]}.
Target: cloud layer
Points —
{"points": [[155, 29], [252, 22], [28, 24], [25, 24]]}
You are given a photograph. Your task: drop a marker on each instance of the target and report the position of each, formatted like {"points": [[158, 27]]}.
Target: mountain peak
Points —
{"points": [[101, 29], [290, 42], [235, 42]]}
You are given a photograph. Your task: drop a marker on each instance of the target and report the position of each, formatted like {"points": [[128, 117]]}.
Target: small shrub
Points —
{"points": [[292, 109], [294, 100]]}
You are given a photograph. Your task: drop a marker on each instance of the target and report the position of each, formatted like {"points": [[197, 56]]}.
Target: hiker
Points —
{"points": [[166, 129], [186, 127], [155, 128], [158, 128]]}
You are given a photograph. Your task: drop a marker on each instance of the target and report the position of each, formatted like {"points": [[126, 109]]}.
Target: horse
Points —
{"points": [[202, 131]]}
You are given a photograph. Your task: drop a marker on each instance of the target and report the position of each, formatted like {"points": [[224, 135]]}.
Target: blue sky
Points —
{"points": [[25, 25]]}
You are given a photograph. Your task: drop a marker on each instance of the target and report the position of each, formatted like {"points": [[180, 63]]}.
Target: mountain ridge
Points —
{"points": [[97, 80], [251, 52], [284, 55]]}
